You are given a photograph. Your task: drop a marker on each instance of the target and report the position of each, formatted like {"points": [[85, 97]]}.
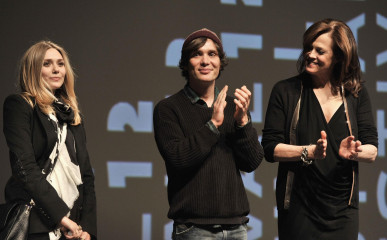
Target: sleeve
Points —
{"points": [[275, 124], [180, 151], [18, 116], [247, 149], [367, 132], [88, 219], [212, 127]]}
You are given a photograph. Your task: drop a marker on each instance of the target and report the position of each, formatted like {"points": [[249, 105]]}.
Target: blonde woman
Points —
{"points": [[47, 146]]}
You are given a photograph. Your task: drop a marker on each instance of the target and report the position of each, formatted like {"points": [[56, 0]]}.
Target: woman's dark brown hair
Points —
{"points": [[346, 69]]}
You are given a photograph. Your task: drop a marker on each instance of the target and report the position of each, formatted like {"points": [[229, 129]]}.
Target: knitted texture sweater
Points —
{"points": [[203, 167]]}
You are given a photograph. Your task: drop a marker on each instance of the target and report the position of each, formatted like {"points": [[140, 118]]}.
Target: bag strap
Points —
{"points": [[293, 141], [351, 134], [296, 116], [346, 110]]}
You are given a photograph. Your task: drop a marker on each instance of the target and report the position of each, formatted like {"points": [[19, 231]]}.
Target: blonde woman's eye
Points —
{"points": [[61, 64], [46, 64]]}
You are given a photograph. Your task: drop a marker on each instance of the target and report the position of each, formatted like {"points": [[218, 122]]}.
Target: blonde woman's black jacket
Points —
{"points": [[31, 138]]}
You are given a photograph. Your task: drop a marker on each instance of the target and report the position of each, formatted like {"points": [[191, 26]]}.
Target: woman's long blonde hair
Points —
{"points": [[36, 91]]}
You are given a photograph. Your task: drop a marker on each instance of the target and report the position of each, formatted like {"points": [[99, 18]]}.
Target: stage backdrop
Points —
{"points": [[125, 54]]}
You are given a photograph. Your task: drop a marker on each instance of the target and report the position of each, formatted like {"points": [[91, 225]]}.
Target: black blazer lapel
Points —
{"points": [[50, 131]]}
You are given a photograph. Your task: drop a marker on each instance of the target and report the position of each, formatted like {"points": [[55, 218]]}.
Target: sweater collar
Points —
{"points": [[194, 98]]}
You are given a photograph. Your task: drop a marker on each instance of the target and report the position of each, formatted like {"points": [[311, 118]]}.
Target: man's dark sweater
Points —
{"points": [[204, 181]]}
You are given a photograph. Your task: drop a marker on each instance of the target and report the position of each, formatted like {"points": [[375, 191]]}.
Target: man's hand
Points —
{"points": [[219, 105], [242, 101]]}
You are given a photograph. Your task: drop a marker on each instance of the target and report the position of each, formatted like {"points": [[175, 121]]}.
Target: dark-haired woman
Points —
{"points": [[319, 126]]}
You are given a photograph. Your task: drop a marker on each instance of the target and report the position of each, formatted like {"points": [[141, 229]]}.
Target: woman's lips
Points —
{"points": [[204, 71]]}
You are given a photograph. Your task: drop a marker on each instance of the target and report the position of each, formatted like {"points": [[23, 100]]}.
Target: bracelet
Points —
{"points": [[304, 157]]}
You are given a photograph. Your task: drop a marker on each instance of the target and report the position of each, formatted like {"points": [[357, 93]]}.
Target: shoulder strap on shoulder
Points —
{"points": [[296, 116]]}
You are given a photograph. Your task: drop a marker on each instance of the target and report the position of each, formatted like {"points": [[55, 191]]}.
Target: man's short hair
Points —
{"points": [[193, 42]]}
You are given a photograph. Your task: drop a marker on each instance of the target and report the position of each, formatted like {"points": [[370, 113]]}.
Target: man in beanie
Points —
{"points": [[206, 138]]}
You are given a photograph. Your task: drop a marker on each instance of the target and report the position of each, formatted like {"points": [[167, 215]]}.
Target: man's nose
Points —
{"points": [[205, 59]]}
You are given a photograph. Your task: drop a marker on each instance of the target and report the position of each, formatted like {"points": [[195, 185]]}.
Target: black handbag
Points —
{"points": [[14, 218]]}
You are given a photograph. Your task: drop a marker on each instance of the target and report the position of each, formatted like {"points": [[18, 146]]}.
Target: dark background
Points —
{"points": [[118, 49]]}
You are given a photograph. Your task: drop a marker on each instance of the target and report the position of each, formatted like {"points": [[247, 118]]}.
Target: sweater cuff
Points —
{"points": [[212, 127], [240, 127]]}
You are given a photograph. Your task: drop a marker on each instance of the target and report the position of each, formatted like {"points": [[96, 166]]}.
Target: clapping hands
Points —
{"points": [[242, 103]]}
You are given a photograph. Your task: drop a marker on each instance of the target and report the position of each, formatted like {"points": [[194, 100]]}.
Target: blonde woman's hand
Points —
{"points": [[85, 236], [70, 229]]}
